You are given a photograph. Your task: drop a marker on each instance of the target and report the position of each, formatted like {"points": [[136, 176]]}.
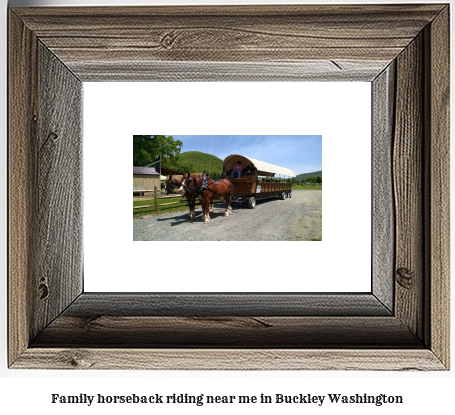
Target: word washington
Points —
{"points": [[377, 400]]}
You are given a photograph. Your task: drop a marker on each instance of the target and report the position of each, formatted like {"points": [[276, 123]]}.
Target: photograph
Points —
{"points": [[222, 292], [227, 188]]}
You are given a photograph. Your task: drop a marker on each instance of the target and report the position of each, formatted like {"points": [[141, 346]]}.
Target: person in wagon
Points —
{"points": [[237, 169]]}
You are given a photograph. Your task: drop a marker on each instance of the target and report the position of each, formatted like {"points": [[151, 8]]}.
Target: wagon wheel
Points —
{"points": [[251, 202], [283, 195]]}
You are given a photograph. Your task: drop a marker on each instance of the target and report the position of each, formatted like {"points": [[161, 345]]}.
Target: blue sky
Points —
{"points": [[300, 153]]}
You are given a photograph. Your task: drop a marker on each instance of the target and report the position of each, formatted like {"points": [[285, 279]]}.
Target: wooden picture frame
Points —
{"points": [[403, 324]]}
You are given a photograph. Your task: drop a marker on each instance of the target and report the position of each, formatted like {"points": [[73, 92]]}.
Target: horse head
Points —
{"points": [[190, 182], [185, 185]]}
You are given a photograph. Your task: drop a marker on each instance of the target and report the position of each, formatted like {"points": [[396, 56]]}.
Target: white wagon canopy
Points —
{"points": [[247, 186], [263, 168]]}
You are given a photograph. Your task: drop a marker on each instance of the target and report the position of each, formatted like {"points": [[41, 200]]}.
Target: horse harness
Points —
{"points": [[205, 186]]}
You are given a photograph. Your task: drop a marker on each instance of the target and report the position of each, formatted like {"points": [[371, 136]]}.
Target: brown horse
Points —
{"points": [[207, 190], [172, 181], [175, 181], [190, 192]]}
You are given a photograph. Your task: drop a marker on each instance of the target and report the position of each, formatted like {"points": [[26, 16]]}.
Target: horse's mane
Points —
{"points": [[198, 178]]}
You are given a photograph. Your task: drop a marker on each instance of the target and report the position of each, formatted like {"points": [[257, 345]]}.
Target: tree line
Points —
{"points": [[146, 148]]}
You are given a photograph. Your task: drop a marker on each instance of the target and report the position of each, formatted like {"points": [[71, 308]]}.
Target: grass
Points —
{"points": [[151, 209], [306, 187], [151, 201]]}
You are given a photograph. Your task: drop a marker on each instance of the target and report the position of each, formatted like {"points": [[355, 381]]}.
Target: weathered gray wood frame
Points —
{"points": [[403, 50]]}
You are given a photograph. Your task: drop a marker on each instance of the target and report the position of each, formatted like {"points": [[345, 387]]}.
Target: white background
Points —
{"points": [[29, 391], [340, 111]]}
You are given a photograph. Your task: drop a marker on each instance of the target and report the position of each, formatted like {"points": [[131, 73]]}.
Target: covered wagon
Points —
{"points": [[254, 179]]}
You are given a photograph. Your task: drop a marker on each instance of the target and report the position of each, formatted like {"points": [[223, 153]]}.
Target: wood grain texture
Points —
{"points": [[438, 197], [408, 188], [273, 34], [256, 332], [53, 49], [235, 359], [213, 305], [22, 132], [308, 71], [58, 190], [383, 214], [45, 187]]}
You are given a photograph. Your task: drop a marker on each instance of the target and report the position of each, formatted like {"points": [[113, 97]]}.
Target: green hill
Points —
{"points": [[195, 161], [305, 176]]}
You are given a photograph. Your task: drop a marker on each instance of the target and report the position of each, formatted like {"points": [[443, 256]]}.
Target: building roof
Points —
{"points": [[145, 170], [264, 169]]}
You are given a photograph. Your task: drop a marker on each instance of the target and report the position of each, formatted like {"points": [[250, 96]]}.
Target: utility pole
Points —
{"points": [[157, 161]]}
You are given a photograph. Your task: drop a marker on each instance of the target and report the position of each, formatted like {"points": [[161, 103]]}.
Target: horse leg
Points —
{"points": [[205, 208], [229, 208], [192, 207], [211, 207], [207, 211]]}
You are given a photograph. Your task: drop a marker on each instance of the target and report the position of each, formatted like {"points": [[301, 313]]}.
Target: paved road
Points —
{"points": [[297, 218]]}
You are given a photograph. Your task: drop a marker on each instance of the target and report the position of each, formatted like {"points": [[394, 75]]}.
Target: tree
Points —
{"points": [[311, 180], [187, 167], [216, 175], [319, 179], [147, 147]]}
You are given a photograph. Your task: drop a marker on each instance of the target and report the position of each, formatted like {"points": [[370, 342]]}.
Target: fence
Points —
{"points": [[155, 204]]}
